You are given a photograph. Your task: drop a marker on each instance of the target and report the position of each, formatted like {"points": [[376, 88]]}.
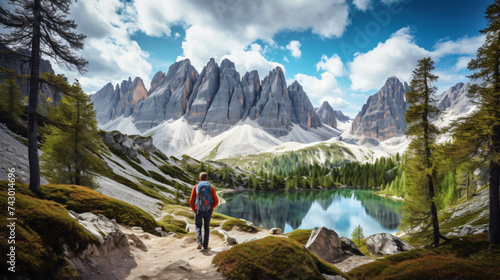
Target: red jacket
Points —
{"points": [[193, 198]]}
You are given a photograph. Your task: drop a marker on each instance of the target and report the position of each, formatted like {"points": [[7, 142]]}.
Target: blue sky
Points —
{"points": [[341, 51]]}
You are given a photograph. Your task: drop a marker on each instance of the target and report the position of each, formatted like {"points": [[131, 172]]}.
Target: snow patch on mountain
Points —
{"points": [[344, 126], [242, 139], [122, 124], [298, 134], [172, 137]]}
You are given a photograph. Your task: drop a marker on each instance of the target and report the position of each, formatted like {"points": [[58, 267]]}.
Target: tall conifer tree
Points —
{"points": [[479, 134], [420, 209], [71, 148], [42, 25]]}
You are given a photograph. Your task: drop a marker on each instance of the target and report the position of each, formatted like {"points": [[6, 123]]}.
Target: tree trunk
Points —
{"points": [[468, 182], [494, 232], [33, 102]]}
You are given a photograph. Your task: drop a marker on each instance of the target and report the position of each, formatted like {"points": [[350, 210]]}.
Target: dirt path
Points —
{"points": [[173, 258]]}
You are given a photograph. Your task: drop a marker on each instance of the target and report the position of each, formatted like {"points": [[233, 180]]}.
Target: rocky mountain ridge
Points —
{"points": [[382, 116], [212, 101]]}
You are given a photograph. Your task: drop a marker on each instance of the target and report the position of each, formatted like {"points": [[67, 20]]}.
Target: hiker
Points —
{"points": [[203, 201]]}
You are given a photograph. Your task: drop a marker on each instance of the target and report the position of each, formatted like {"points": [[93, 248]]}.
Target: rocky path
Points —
{"points": [[174, 258]]}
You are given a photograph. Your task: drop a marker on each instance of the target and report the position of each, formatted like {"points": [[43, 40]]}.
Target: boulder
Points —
{"points": [[325, 243], [386, 244], [349, 247], [110, 237], [276, 231]]}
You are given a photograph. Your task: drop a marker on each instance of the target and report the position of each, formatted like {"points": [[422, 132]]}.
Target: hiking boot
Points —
{"points": [[199, 246]]}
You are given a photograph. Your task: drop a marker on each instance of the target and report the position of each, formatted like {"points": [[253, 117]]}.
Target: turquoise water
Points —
{"points": [[338, 209]]}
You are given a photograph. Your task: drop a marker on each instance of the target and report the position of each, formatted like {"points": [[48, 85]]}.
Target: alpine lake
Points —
{"points": [[337, 209]]}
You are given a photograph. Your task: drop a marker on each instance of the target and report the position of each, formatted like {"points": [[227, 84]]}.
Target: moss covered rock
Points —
{"points": [[272, 258], [42, 230], [82, 199], [241, 224]]}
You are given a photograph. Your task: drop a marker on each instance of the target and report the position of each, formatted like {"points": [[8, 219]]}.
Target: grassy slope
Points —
{"points": [[42, 228], [470, 257]]}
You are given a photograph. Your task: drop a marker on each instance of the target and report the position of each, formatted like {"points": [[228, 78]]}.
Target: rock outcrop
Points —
{"points": [[325, 243], [327, 115], [386, 244], [110, 237], [129, 145], [382, 116]]}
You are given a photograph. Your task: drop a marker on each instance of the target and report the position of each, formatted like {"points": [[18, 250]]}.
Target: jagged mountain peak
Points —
{"points": [[456, 98], [218, 98], [327, 114], [382, 116]]}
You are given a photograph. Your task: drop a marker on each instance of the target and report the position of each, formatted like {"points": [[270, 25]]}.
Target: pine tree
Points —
{"points": [[11, 98], [70, 150], [43, 25], [479, 133], [486, 67], [357, 234], [420, 209]]}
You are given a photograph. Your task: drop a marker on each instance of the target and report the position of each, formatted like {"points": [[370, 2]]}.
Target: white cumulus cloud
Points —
{"points": [[332, 65], [325, 88], [112, 55], [294, 48], [225, 27], [361, 5], [397, 56]]}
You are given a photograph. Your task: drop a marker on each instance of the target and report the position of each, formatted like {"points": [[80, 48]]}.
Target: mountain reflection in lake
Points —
{"points": [[338, 209]]}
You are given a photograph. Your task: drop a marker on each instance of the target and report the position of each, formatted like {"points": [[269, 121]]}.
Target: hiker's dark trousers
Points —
{"points": [[203, 217]]}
